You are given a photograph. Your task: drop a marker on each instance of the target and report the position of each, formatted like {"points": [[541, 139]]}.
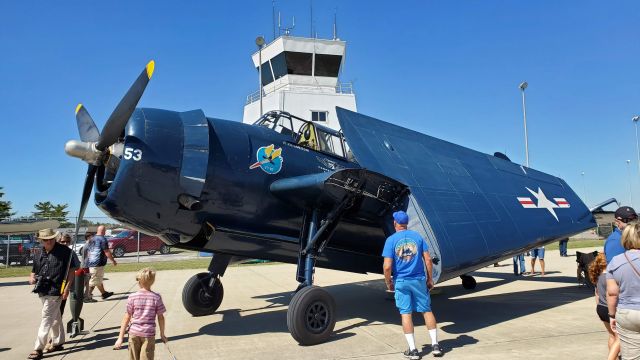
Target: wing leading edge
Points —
{"points": [[478, 208]]}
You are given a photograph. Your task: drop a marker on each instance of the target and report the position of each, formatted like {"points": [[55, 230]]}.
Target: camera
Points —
{"points": [[43, 285]]}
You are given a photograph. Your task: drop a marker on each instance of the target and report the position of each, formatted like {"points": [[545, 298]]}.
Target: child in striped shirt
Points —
{"points": [[143, 307]]}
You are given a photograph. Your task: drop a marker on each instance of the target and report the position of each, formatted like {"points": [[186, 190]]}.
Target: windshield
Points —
{"points": [[305, 133], [122, 235]]}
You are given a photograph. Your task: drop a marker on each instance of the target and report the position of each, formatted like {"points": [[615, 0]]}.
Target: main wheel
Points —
{"points": [[198, 298], [118, 251], [311, 315], [164, 249], [468, 282]]}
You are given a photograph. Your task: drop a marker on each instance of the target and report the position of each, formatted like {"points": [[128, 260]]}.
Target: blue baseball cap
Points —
{"points": [[401, 217]]}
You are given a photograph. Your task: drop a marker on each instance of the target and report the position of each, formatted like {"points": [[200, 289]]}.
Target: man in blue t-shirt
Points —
{"points": [[96, 261], [405, 256], [612, 245]]}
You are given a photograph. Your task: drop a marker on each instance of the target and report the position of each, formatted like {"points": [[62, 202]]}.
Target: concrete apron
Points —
{"points": [[506, 317]]}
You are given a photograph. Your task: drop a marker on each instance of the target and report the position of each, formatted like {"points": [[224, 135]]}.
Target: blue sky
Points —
{"points": [[449, 69]]}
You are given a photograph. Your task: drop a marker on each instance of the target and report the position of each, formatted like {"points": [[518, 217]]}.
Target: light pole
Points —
{"points": [[584, 188], [523, 86], [260, 42], [629, 173], [635, 120]]}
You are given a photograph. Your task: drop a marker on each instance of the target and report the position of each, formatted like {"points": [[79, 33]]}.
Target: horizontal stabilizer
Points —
{"points": [[600, 206]]}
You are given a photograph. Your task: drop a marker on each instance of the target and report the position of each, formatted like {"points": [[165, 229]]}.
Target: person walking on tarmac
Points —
{"points": [[405, 256], [48, 275], [97, 254]]}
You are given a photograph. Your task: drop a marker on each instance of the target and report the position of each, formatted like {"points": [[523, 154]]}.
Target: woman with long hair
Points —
{"points": [[623, 290], [597, 274]]}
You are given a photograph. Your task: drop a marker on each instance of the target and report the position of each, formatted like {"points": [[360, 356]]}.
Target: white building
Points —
{"points": [[300, 76]]}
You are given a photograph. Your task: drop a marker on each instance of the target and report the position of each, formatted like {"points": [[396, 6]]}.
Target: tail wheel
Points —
{"points": [[200, 299], [311, 316], [164, 249], [119, 251]]}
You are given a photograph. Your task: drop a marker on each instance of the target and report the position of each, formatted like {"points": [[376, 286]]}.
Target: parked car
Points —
{"points": [[127, 242], [21, 248]]}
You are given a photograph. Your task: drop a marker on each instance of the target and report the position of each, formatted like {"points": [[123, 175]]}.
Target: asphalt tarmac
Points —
{"points": [[506, 317]]}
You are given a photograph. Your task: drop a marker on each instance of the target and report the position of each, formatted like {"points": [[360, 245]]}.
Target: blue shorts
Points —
{"points": [[538, 253], [412, 295]]}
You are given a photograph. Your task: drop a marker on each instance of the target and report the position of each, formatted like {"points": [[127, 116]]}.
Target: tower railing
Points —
{"points": [[341, 88]]}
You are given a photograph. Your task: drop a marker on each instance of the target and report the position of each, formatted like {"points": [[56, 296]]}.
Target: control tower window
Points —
{"points": [[319, 116], [327, 65], [267, 77], [279, 66], [298, 63]]}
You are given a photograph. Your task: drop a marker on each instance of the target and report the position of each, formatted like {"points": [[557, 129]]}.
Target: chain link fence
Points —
{"points": [[126, 245], [20, 248]]}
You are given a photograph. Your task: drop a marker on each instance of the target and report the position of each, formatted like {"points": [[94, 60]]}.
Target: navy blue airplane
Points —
{"points": [[289, 190]]}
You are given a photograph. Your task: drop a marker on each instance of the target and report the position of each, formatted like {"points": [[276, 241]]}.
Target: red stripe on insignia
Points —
{"points": [[526, 202]]}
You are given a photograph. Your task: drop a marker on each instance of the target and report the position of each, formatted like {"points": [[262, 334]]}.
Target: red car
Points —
{"points": [[127, 242]]}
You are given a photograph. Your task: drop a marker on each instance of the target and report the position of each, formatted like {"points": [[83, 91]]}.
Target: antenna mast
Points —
{"points": [[311, 25], [273, 17], [286, 30], [335, 25]]}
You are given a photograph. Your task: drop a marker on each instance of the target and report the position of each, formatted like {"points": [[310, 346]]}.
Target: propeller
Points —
{"points": [[94, 146]]}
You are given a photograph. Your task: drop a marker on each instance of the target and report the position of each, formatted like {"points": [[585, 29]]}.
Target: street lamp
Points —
{"points": [[523, 86], [629, 173], [635, 120], [584, 188], [259, 43]]}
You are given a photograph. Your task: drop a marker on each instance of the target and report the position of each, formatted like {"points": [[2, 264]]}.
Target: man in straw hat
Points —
{"points": [[48, 275]]}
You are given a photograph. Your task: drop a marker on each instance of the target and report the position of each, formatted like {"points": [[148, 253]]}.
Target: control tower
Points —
{"points": [[300, 76]]}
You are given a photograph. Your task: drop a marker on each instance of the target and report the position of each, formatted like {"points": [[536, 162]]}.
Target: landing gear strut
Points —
{"points": [[311, 316], [468, 282], [203, 292]]}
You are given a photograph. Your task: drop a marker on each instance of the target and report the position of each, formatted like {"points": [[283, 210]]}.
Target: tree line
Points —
{"points": [[43, 210]]}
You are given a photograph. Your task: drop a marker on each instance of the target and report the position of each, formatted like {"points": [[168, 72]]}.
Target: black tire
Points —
{"points": [[151, 252], [164, 249], [468, 282], [311, 316], [197, 300], [119, 251]]}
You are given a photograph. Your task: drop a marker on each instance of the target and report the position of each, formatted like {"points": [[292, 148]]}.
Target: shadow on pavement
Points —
{"points": [[448, 345], [367, 300]]}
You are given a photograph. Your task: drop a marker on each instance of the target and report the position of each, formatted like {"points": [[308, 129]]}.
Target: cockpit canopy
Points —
{"points": [[306, 133]]}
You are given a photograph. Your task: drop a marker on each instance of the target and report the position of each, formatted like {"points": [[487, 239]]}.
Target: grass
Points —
{"points": [[201, 264], [577, 244]]}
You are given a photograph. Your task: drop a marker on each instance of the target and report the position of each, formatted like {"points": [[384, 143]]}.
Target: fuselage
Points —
{"points": [[248, 220]]}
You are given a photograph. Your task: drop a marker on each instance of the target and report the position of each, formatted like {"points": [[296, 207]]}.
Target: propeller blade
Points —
{"points": [[86, 193], [86, 126], [121, 114]]}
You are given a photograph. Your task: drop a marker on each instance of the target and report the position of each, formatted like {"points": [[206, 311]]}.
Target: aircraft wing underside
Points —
{"points": [[472, 207]]}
